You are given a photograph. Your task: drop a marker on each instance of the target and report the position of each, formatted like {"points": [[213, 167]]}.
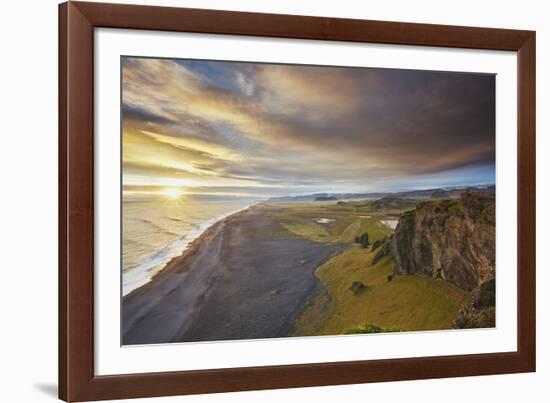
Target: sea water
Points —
{"points": [[155, 231]]}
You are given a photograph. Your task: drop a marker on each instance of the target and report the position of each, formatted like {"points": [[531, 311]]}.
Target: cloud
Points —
{"points": [[315, 93], [265, 124]]}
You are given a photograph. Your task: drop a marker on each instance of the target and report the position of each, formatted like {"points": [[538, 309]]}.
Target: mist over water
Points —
{"points": [[155, 231]]}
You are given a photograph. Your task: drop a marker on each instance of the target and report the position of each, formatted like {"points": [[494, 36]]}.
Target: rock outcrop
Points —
{"points": [[480, 312], [453, 239]]}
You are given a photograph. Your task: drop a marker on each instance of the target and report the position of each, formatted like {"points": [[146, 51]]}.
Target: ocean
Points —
{"points": [[155, 231]]}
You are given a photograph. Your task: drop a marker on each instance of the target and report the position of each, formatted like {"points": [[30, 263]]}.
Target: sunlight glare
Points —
{"points": [[172, 193]]}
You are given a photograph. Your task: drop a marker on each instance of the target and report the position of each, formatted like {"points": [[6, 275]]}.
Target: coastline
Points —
{"points": [[143, 276], [221, 288]]}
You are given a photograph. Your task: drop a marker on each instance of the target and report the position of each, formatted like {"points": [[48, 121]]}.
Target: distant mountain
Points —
{"points": [[384, 203], [435, 193], [325, 198], [336, 196], [456, 192], [392, 202]]}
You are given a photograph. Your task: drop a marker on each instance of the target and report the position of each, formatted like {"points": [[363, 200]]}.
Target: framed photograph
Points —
{"points": [[255, 201]]}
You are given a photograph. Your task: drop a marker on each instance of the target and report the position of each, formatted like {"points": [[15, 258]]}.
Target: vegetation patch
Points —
{"points": [[341, 224], [456, 210], [405, 302], [368, 328]]}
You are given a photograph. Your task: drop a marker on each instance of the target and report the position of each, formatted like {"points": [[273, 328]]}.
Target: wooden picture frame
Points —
{"points": [[77, 380]]}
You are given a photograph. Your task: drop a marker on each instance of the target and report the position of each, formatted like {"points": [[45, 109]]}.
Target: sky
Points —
{"points": [[229, 129]]}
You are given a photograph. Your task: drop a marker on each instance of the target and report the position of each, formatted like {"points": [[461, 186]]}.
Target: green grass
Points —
{"points": [[455, 209], [298, 218], [368, 328], [406, 303]]}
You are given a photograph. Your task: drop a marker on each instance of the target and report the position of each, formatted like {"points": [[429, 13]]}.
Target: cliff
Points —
{"points": [[452, 238]]}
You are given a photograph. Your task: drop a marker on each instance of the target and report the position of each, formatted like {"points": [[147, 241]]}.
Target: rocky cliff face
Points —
{"points": [[453, 239]]}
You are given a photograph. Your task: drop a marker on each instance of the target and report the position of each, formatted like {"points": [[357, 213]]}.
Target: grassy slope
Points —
{"points": [[406, 303]]}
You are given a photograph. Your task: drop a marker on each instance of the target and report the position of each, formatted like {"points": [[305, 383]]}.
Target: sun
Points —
{"points": [[172, 193]]}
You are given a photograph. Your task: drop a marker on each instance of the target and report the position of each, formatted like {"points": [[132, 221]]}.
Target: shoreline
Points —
{"points": [[190, 249], [221, 288], [146, 277]]}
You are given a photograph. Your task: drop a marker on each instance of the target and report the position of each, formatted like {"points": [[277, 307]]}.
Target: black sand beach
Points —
{"points": [[244, 278]]}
